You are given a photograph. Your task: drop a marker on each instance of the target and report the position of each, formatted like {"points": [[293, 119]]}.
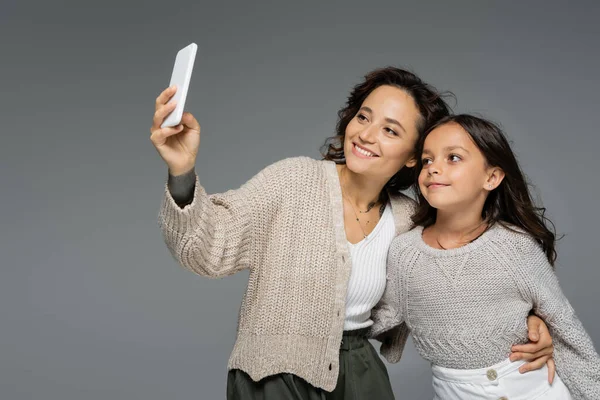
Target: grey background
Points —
{"points": [[91, 304]]}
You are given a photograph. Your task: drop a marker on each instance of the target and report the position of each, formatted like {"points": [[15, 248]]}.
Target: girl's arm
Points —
{"points": [[577, 361], [388, 322]]}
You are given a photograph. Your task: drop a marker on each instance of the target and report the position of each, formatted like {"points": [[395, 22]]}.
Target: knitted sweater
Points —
{"points": [[465, 307], [286, 225]]}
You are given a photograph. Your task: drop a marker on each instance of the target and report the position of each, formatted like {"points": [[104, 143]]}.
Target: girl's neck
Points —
{"points": [[458, 227], [363, 191]]}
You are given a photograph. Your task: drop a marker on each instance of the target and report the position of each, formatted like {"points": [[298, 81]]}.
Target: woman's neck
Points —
{"points": [[363, 191]]}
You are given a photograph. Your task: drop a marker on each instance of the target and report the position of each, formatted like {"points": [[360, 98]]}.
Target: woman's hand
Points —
{"points": [[538, 351], [178, 145]]}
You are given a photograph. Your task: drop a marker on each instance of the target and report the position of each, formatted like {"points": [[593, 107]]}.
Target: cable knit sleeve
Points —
{"points": [[577, 362], [213, 235], [388, 321]]}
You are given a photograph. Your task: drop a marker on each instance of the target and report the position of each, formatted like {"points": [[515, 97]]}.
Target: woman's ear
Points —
{"points": [[412, 162]]}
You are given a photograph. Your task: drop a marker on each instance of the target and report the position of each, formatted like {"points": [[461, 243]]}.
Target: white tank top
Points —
{"points": [[368, 277]]}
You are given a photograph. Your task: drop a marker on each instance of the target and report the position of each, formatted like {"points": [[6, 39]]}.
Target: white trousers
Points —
{"points": [[502, 381]]}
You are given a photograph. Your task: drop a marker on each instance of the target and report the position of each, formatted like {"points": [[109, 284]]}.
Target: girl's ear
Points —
{"points": [[495, 177]]}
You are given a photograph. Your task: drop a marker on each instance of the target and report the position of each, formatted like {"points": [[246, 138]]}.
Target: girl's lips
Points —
{"points": [[436, 185]]}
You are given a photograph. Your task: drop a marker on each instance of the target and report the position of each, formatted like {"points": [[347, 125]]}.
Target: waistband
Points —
{"points": [[354, 339], [357, 332], [488, 375]]}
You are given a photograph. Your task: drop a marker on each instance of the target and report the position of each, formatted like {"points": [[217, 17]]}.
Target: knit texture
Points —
{"points": [[465, 307], [367, 280], [286, 225]]}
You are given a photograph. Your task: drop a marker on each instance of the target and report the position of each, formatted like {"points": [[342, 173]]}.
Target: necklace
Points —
{"points": [[371, 205], [356, 215], [463, 243]]}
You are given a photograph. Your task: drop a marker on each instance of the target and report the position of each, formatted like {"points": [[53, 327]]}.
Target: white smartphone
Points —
{"points": [[182, 73]]}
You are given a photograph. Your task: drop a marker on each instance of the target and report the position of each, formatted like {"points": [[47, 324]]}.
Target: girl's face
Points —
{"points": [[455, 174], [381, 138]]}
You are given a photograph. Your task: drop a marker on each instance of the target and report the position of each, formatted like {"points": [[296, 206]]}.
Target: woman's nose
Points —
{"points": [[368, 134]]}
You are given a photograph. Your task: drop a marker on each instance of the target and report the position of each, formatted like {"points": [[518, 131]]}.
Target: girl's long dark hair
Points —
{"points": [[430, 102], [510, 203]]}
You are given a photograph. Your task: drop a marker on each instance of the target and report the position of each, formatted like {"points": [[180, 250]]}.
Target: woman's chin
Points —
{"points": [[357, 163], [356, 166]]}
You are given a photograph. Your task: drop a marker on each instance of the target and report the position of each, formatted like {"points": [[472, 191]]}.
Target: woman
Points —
{"points": [[314, 235]]}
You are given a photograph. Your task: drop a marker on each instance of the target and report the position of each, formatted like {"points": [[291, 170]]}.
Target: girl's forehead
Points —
{"points": [[447, 133]]}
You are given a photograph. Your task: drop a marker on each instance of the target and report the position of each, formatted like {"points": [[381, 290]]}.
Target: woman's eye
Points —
{"points": [[388, 130], [361, 117]]}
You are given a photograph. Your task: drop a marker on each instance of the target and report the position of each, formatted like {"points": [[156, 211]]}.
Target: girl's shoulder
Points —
{"points": [[513, 239], [407, 240]]}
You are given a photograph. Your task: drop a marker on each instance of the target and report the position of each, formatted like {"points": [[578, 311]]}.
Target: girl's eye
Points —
{"points": [[454, 158], [426, 161], [388, 130]]}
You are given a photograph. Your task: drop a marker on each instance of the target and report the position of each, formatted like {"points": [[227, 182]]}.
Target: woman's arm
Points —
{"points": [[213, 234], [181, 187], [538, 351]]}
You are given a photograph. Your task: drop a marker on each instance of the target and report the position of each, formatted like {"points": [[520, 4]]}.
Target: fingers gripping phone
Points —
{"points": [[182, 73]]}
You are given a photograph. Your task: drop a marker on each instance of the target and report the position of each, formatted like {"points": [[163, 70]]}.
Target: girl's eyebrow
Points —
{"points": [[449, 148]]}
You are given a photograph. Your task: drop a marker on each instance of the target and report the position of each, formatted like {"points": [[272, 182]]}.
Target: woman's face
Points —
{"points": [[380, 139]]}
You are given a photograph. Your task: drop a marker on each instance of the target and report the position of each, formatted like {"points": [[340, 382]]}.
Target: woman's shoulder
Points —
{"points": [[292, 168], [403, 202], [403, 208], [297, 162]]}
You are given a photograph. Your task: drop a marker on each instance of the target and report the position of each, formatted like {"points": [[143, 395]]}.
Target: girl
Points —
{"points": [[465, 278], [314, 235]]}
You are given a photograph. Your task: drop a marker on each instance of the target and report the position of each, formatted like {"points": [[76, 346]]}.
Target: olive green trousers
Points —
{"points": [[363, 376]]}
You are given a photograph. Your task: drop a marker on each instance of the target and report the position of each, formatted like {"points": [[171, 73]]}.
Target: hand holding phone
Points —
{"points": [[175, 134], [180, 77]]}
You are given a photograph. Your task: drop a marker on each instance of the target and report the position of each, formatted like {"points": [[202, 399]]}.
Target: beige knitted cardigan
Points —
{"points": [[286, 225]]}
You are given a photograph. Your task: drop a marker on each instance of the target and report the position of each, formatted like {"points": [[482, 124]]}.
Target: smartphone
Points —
{"points": [[182, 73]]}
